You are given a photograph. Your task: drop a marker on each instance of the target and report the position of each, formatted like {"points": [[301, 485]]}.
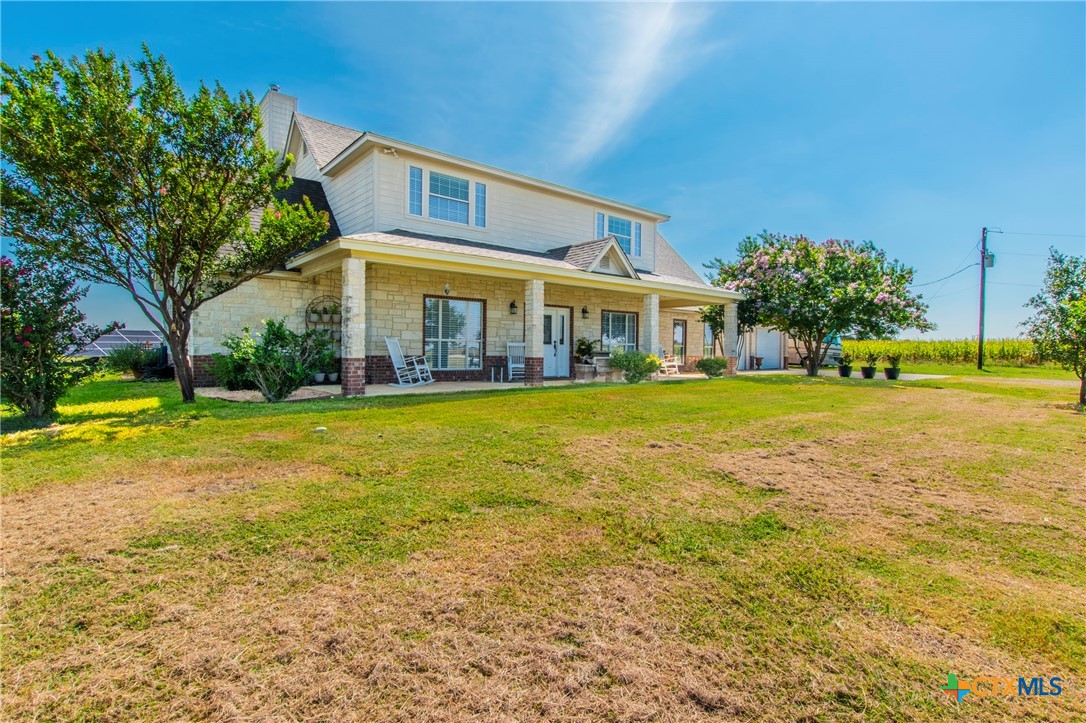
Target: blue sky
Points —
{"points": [[911, 125]]}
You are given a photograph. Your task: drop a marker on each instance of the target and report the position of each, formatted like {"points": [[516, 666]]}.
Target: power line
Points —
{"points": [[1008, 253], [971, 287], [1060, 235], [950, 276], [1008, 283]]}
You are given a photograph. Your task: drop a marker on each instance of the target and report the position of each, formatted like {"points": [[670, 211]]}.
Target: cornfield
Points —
{"points": [[1014, 352]]}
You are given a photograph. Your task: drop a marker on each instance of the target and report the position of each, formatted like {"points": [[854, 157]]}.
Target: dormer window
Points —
{"points": [[625, 231], [447, 198]]}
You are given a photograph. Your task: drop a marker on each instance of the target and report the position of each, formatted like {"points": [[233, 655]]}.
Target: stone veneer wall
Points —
{"points": [[394, 307]]}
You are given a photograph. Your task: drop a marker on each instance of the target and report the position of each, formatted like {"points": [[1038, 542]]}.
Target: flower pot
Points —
{"points": [[891, 372], [844, 370], [318, 377], [336, 318], [868, 372], [333, 377], [337, 334], [326, 318], [314, 318]]}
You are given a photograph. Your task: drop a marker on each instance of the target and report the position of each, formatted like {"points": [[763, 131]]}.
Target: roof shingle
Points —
{"points": [[325, 140]]}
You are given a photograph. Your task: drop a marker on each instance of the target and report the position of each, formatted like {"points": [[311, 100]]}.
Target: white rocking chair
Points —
{"points": [[514, 354], [670, 364], [411, 371]]}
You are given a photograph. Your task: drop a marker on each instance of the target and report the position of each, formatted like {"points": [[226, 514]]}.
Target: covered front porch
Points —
{"points": [[461, 311]]}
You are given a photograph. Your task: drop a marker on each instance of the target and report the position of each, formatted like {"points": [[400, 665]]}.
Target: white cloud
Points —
{"points": [[631, 55]]}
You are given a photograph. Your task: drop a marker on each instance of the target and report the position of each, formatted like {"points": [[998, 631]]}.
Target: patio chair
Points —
{"points": [[411, 371], [671, 364], [514, 354]]}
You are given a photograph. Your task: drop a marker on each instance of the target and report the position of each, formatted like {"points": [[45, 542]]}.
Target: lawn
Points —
{"points": [[770, 548]]}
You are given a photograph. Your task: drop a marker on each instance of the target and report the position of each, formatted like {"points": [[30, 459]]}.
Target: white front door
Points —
{"points": [[555, 342]]}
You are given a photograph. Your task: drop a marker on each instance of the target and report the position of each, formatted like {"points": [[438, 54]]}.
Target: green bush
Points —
{"points": [[712, 366], [130, 358], [1014, 352], [283, 360], [232, 370], [636, 365]]}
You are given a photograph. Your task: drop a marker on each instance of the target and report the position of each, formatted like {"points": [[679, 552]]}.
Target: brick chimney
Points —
{"points": [[276, 110]]}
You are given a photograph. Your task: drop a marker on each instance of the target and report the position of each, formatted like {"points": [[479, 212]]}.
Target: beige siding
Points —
{"points": [[517, 216], [350, 194]]}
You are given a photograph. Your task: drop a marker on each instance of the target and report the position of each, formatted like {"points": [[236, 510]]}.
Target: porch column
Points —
{"points": [[731, 336], [650, 324], [533, 332], [353, 355]]}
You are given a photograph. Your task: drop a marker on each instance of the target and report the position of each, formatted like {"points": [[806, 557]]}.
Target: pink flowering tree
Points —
{"points": [[40, 329], [110, 169], [816, 290]]}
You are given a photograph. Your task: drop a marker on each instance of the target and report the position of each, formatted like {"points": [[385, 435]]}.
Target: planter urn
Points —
{"points": [[319, 377], [333, 377], [868, 372], [314, 317], [584, 372], [336, 318], [891, 372], [844, 370], [326, 318]]}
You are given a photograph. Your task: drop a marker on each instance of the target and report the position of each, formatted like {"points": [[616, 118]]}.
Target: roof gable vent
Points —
{"points": [[605, 263]]}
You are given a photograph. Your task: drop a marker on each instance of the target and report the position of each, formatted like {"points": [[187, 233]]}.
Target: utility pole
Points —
{"points": [[986, 260], [983, 268]]}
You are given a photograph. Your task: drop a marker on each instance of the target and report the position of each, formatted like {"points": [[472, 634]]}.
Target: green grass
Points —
{"points": [[771, 547]]}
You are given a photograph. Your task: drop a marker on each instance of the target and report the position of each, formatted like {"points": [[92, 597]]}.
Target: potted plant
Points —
{"points": [[894, 369], [844, 365], [318, 377], [326, 314], [314, 316], [331, 366], [868, 372], [584, 370], [335, 314]]}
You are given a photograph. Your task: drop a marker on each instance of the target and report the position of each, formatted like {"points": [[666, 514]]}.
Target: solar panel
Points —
{"points": [[119, 338]]}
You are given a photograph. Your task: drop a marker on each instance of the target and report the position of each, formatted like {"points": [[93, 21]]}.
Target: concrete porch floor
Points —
{"points": [[383, 390]]}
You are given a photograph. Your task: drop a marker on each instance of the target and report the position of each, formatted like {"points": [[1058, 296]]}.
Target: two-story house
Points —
{"points": [[457, 259]]}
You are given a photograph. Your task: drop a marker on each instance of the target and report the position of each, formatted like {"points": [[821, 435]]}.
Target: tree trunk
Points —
{"points": [[179, 350], [1082, 390], [814, 357]]}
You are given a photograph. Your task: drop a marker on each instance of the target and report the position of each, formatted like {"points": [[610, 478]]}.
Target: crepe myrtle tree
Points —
{"points": [[40, 328], [1058, 324], [110, 169], [814, 290]]}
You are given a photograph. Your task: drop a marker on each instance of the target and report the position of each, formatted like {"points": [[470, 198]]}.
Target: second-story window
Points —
{"points": [[415, 192], [480, 205], [625, 231], [448, 198]]}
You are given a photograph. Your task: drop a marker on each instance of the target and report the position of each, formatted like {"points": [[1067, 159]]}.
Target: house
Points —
{"points": [[457, 259]]}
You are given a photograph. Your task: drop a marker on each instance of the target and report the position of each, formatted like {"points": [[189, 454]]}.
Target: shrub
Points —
{"points": [[636, 365], [284, 360], [845, 359], [1015, 352], [40, 326], [131, 358], [712, 366], [232, 370], [584, 348]]}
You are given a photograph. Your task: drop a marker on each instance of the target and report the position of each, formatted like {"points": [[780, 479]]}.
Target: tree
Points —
{"points": [[139, 186], [1058, 324], [812, 291], [40, 327]]}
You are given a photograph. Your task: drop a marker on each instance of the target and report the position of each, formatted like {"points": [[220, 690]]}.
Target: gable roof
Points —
{"points": [[325, 140], [314, 191], [587, 255], [669, 263]]}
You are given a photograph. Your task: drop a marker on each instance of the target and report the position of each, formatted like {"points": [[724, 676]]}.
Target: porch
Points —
{"points": [[461, 309]]}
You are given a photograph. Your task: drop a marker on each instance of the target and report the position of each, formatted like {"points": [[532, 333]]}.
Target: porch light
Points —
{"points": [[513, 308], [584, 312]]}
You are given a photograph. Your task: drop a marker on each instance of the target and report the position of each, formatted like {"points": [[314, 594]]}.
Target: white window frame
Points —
{"points": [[628, 345], [602, 219], [473, 183]]}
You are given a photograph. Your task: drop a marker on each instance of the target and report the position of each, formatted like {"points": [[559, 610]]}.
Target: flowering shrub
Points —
{"points": [[636, 365], [232, 370], [816, 290], [40, 327]]}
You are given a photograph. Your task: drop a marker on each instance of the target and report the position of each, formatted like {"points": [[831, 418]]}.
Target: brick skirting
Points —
{"points": [[733, 366], [533, 371], [201, 370], [379, 370], [353, 377]]}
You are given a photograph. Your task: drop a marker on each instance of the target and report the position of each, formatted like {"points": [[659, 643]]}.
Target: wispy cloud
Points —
{"points": [[634, 53]]}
